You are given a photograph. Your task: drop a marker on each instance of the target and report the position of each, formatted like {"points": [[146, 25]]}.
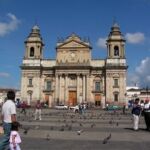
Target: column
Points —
{"points": [[83, 88], [60, 99], [66, 89], [56, 89], [87, 88], [78, 94]]}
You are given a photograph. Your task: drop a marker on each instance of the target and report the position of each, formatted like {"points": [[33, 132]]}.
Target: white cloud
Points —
{"points": [[132, 79], [4, 74], [135, 38], [101, 42], [141, 76], [148, 78], [7, 27], [144, 67]]}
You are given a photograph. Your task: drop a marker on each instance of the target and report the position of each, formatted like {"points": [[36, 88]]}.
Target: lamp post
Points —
{"points": [[126, 101], [147, 92]]}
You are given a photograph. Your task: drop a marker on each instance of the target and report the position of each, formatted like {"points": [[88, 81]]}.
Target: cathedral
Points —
{"points": [[73, 77]]}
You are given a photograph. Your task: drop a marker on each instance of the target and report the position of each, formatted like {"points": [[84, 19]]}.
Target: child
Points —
{"points": [[15, 139]]}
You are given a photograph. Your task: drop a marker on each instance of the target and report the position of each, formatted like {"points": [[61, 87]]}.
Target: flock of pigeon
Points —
{"points": [[65, 120]]}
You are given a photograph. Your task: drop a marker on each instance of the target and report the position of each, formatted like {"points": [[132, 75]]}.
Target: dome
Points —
{"points": [[35, 27], [115, 25]]}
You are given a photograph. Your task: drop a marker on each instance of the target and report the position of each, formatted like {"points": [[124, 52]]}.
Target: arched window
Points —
{"points": [[48, 85], [97, 86], [32, 52], [116, 51]]}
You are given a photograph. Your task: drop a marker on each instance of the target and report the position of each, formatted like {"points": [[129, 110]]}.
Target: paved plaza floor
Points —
{"points": [[95, 130]]}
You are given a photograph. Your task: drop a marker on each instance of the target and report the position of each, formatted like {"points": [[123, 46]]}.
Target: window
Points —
{"points": [[116, 97], [109, 52], [116, 82], [97, 86], [116, 51], [30, 82], [48, 85], [32, 52]]}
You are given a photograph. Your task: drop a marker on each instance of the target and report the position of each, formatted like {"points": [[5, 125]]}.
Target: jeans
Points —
{"points": [[4, 142]]}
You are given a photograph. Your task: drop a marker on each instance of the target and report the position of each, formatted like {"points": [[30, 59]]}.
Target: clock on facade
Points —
{"points": [[73, 55]]}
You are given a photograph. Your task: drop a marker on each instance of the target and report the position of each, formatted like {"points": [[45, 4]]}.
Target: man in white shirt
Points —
{"points": [[147, 114], [8, 116]]}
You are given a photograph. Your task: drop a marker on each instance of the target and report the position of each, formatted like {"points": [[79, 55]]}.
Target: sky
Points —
{"points": [[86, 18]]}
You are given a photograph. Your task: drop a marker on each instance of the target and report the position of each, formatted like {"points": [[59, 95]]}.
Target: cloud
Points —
{"points": [[4, 74], [144, 67], [101, 43], [141, 76], [7, 27], [132, 79], [135, 38]]}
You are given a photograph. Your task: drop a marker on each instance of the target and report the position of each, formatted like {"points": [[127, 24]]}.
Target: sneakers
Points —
{"points": [[38, 119]]}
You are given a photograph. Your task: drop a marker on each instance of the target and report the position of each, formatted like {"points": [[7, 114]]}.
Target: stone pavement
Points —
{"points": [[95, 130]]}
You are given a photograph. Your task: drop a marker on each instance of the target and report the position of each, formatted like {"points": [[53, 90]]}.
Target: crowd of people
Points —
{"points": [[12, 138]]}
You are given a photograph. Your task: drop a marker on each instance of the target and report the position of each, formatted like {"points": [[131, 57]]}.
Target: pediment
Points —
{"points": [[73, 44]]}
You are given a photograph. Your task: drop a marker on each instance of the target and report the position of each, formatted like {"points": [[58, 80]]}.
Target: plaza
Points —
{"points": [[95, 130]]}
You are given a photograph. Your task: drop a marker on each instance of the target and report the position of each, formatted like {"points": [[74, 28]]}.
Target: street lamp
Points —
{"points": [[147, 92]]}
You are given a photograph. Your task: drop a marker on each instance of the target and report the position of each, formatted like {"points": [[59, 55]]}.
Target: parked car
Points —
{"points": [[114, 107], [61, 106], [74, 108]]}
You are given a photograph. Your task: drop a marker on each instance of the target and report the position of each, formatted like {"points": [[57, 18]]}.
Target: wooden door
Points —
{"points": [[47, 99], [97, 99], [72, 98]]}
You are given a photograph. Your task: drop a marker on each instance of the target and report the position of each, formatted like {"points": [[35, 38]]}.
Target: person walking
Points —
{"points": [[147, 114], [136, 111], [15, 139], [38, 110], [8, 117], [23, 106]]}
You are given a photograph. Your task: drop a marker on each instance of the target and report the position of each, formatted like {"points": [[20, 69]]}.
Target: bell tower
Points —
{"points": [[116, 67], [115, 43], [34, 44]]}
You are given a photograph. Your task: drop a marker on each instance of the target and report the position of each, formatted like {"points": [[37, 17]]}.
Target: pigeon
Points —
{"points": [[109, 137], [70, 127], [62, 128], [110, 122], [79, 132], [51, 128], [92, 125], [48, 137], [117, 124], [105, 141], [37, 127], [25, 131], [80, 124]]}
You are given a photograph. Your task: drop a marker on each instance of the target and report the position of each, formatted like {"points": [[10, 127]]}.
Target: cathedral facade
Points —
{"points": [[74, 77]]}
